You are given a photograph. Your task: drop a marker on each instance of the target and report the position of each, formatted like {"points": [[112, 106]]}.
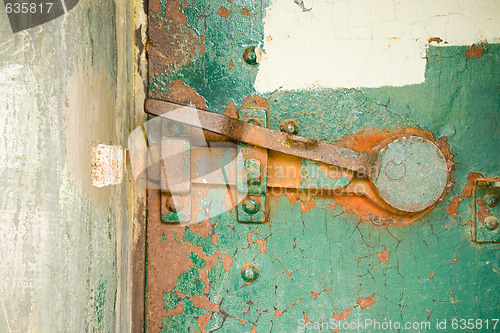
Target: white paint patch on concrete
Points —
{"points": [[365, 43], [107, 165]]}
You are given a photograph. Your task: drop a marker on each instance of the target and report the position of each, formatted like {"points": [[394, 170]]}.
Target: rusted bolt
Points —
{"points": [[491, 200], [252, 55], [174, 203], [251, 205], [491, 223], [255, 121], [249, 272], [290, 126]]}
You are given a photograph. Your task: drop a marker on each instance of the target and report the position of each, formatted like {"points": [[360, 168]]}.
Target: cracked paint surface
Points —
{"points": [[317, 259], [365, 43]]}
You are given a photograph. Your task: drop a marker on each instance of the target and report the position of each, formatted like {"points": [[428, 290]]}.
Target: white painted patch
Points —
{"points": [[107, 165], [365, 43]]}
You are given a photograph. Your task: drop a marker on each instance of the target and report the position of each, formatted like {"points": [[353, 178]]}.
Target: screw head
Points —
{"points": [[252, 55], [491, 200], [249, 272], [290, 126], [251, 205], [491, 223]]}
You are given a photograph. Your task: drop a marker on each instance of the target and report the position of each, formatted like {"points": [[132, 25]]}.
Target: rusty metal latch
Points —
{"points": [[486, 210], [409, 172]]}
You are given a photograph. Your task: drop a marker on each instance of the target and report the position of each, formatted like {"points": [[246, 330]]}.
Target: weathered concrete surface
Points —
{"points": [[64, 87]]}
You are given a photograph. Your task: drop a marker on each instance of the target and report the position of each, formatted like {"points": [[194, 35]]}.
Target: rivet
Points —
{"points": [[249, 272], [491, 222], [491, 200], [251, 205], [290, 126], [252, 55], [174, 204]]}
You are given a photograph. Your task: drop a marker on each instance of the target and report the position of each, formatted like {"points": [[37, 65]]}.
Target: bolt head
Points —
{"points": [[252, 55], [491, 200], [249, 272], [491, 223], [290, 126], [251, 205]]}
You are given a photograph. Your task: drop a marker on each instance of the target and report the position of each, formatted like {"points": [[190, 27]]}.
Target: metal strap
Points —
{"points": [[261, 136]]}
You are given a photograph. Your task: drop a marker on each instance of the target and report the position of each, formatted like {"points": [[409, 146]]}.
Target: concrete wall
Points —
{"points": [[66, 86]]}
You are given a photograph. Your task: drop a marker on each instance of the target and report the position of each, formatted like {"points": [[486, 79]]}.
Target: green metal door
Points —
{"points": [[324, 259]]}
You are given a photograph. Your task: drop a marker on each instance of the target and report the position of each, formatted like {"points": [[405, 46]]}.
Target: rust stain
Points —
{"points": [[452, 209], [255, 102], [283, 172], [172, 11], [230, 110], [383, 256], [469, 186], [315, 294], [249, 238], [203, 302], [182, 94], [344, 315], [307, 205], [483, 211], [170, 43], [263, 245], [428, 314], [203, 321], [169, 261], [223, 11], [468, 222], [475, 51], [245, 310], [306, 320], [245, 11], [242, 321], [278, 313], [435, 39], [254, 329], [231, 64], [432, 275], [203, 46], [288, 272], [454, 260], [365, 302], [227, 261], [369, 138]]}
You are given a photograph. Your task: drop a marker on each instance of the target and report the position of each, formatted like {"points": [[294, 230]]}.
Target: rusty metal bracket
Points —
{"points": [[486, 210], [395, 167], [252, 173]]}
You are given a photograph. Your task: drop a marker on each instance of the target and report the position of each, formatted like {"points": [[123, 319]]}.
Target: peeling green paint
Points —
{"points": [[198, 262], [169, 300], [100, 300]]}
